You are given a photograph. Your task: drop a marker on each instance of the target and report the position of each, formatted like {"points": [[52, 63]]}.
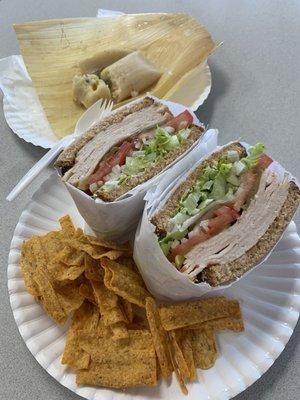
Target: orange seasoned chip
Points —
{"points": [[119, 330], [93, 270], [108, 303], [49, 297], [189, 313], [67, 225], [127, 309], [86, 290], [160, 338], [128, 262], [221, 324], [70, 256], [204, 347], [80, 242], [85, 318], [111, 254], [51, 244], [69, 296], [178, 373], [187, 352], [39, 252], [125, 282], [74, 356], [177, 353], [140, 320], [107, 243], [62, 272], [28, 266], [119, 364]]}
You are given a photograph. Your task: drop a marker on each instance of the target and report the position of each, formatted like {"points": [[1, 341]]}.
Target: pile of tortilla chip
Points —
{"points": [[119, 336]]}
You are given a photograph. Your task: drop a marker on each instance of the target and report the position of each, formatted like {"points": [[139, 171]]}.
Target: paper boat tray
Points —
{"points": [[176, 43]]}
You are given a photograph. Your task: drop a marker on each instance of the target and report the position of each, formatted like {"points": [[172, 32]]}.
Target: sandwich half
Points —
{"points": [[227, 215], [127, 148]]}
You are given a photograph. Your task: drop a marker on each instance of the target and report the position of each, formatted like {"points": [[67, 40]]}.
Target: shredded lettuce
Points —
{"points": [[183, 134], [233, 155], [219, 187], [254, 153], [218, 183], [148, 155]]}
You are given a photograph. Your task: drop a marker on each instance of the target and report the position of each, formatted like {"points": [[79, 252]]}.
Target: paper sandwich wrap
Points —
{"points": [[163, 280], [117, 220]]}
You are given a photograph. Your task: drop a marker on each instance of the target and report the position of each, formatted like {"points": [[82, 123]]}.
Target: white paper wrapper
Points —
{"points": [[163, 280], [118, 219]]}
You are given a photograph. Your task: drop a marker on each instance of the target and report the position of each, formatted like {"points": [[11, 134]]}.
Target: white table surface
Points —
{"points": [[255, 95]]}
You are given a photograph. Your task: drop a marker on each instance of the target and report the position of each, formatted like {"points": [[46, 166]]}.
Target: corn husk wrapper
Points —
{"points": [[176, 44], [116, 220], [162, 279]]}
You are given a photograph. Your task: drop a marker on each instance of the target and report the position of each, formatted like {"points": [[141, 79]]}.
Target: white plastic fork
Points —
{"points": [[94, 114]]}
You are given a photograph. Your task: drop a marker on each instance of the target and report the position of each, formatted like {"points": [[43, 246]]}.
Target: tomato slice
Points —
{"points": [[223, 217], [106, 166], [249, 181], [182, 120], [263, 162], [185, 247]]}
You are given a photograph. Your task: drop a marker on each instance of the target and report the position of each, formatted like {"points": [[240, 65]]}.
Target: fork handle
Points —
{"points": [[38, 167]]}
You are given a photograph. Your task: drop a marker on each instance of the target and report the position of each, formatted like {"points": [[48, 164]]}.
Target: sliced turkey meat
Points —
{"points": [[88, 157], [234, 241]]}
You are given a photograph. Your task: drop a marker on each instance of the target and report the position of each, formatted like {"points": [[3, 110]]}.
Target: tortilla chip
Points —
{"points": [[62, 272], [74, 356], [108, 304], [128, 262], [140, 320], [178, 356], [160, 338], [49, 297], [179, 377], [125, 282], [86, 290], [40, 252], [28, 266], [221, 324], [69, 296], [93, 270], [119, 330], [70, 256], [111, 254], [187, 352], [107, 243], [204, 347], [127, 309], [67, 225], [85, 318], [189, 313], [118, 364]]}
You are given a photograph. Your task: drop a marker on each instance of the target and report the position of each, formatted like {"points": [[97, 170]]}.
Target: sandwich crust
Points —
{"points": [[67, 158], [195, 134], [161, 219], [219, 274]]}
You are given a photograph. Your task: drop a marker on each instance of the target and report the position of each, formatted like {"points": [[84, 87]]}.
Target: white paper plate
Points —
{"points": [[270, 299]]}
